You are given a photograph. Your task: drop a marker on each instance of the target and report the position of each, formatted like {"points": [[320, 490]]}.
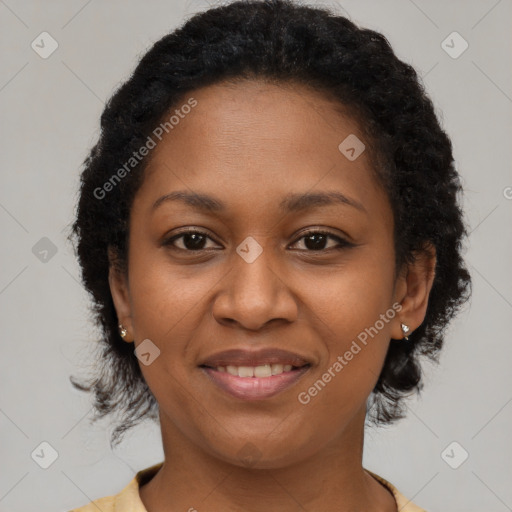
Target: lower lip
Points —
{"points": [[255, 388]]}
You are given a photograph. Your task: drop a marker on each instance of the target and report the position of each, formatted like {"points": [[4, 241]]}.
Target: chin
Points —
{"points": [[258, 452]]}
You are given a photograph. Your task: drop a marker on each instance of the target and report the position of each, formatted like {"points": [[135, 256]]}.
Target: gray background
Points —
{"points": [[50, 112]]}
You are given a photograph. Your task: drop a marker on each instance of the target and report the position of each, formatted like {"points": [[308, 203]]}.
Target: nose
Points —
{"points": [[254, 295]]}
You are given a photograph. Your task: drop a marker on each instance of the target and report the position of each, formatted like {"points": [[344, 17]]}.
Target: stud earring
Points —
{"points": [[123, 332], [405, 330]]}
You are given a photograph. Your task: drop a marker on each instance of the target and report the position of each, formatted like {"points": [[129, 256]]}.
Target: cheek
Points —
{"points": [[165, 297], [350, 298], [164, 310], [354, 313]]}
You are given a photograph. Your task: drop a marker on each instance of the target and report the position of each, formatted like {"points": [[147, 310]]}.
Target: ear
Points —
{"points": [[412, 290], [118, 281]]}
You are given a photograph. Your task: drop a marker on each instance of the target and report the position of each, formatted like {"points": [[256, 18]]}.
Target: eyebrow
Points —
{"points": [[291, 203]]}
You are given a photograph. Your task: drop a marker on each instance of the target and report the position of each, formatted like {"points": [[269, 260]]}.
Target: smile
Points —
{"points": [[255, 382], [265, 370], [254, 374]]}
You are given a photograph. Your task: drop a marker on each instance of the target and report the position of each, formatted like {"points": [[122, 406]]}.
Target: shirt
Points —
{"points": [[128, 500]]}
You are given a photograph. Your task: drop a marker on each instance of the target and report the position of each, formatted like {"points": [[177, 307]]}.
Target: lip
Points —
{"points": [[254, 388], [244, 357]]}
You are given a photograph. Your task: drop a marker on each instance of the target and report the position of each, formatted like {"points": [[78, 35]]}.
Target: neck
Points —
{"points": [[331, 480]]}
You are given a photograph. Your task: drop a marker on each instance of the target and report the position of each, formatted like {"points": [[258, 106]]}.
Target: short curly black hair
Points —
{"points": [[282, 42]]}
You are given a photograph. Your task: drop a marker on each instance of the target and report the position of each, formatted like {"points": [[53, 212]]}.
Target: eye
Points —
{"points": [[316, 241], [193, 240]]}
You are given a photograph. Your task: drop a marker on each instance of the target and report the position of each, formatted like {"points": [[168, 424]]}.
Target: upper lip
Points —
{"points": [[244, 357]]}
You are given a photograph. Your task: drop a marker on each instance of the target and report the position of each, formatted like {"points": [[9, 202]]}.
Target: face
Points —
{"points": [[254, 279]]}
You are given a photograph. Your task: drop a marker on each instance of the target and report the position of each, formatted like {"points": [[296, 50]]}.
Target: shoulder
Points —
{"points": [[128, 500], [112, 503], [105, 504], [403, 504]]}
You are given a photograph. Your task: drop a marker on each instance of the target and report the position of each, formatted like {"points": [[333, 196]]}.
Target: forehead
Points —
{"points": [[251, 140], [247, 116]]}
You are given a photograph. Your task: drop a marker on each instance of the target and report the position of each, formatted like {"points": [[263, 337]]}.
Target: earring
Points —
{"points": [[122, 332], [405, 330]]}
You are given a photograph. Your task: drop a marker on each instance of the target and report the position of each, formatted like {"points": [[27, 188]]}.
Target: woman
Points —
{"points": [[270, 230]]}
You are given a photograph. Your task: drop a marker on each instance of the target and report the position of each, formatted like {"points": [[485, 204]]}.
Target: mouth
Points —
{"points": [[254, 375]]}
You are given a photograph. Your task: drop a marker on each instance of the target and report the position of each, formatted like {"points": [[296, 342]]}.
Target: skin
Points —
{"points": [[249, 145]]}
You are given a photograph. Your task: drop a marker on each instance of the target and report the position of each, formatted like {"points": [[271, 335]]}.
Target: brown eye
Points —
{"points": [[317, 241], [314, 241], [191, 241]]}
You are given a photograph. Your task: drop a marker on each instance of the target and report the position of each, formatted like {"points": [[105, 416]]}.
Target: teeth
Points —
{"points": [[265, 370], [246, 371], [277, 369], [232, 370]]}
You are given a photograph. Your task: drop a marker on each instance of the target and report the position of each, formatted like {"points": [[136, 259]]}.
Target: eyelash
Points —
{"points": [[343, 244]]}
